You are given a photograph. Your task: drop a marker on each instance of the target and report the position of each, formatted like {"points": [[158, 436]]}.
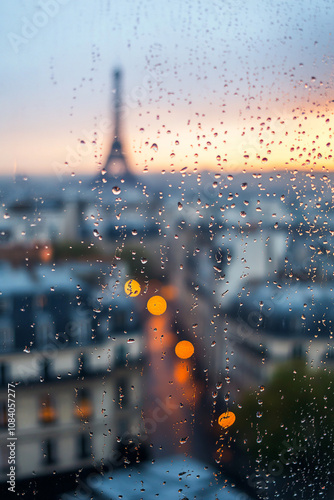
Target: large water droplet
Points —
{"points": [[244, 186], [116, 190], [179, 206], [154, 147]]}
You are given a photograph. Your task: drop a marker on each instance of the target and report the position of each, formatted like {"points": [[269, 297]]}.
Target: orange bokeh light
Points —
{"points": [[184, 349], [170, 292], [226, 419], [156, 305]]}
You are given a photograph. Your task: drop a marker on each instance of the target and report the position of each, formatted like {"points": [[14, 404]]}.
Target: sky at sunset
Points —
{"points": [[219, 84]]}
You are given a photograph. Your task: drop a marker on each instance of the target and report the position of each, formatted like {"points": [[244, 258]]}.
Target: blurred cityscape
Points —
{"points": [[245, 263]]}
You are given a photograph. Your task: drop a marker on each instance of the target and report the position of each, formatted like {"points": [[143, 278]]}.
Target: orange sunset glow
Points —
{"points": [[262, 140]]}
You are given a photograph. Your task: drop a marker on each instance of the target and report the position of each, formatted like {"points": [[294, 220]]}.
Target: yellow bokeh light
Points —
{"points": [[132, 288], [226, 419], [156, 305], [184, 349]]}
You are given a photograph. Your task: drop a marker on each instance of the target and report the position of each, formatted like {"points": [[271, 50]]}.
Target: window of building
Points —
{"points": [[47, 410], [84, 446], [49, 452], [83, 405], [3, 415]]}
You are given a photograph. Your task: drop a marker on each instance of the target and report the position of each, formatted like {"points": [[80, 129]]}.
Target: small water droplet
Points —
{"points": [[96, 233], [244, 186], [154, 147], [243, 214], [184, 440], [179, 206]]}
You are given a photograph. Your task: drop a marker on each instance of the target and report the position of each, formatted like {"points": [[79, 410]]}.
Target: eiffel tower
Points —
{"points": [[116, 166]]}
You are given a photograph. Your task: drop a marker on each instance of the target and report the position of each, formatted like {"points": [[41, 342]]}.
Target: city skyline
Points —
{"points": [[201, 82]]}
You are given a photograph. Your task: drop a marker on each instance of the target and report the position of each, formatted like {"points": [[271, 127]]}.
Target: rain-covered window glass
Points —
{"points": [[166, 250]]}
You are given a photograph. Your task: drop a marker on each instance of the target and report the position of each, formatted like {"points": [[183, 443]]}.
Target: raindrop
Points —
{"points": [[244, 186], [116, 190], [184, 440], [143, 260], [154, 147], [96, 233], [243, 214], [179, 206], [6, 216], [134, 232], [130, 341]]}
